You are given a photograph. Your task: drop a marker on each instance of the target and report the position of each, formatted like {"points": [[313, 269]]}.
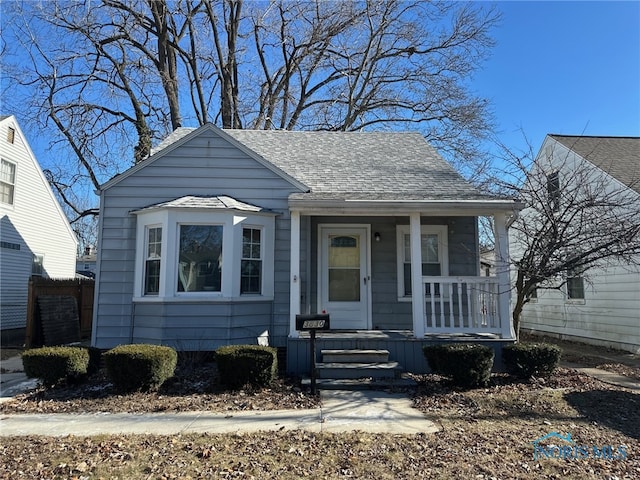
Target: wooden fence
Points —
{"points": [[80, 289]]}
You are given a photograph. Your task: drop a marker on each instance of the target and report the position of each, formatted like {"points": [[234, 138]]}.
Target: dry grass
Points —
{"points": [[486, 433]]}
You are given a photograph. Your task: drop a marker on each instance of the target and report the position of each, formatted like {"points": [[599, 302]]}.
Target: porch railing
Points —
{"points": [[462, 304]]}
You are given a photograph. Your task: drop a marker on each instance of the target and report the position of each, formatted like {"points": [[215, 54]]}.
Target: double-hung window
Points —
{"points": [[433, 249], [553, 190], [7, 181], [152, 261], [575, 285], [251, 262]]}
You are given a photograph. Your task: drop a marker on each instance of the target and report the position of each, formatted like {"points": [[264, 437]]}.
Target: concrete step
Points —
{"points": [[360, 383], [338, 370], [355, 356]]}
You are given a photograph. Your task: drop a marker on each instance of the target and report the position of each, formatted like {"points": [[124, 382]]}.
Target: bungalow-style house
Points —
{"points": [[605, 310], [224, 236], [35, 235]]}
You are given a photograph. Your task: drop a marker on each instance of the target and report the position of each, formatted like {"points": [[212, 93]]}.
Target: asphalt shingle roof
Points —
{"points": [[221, 202], [355, 165], [618, 156]]}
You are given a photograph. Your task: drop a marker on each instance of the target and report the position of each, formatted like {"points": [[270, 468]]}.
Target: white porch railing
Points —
{"points": [[462, 305]]}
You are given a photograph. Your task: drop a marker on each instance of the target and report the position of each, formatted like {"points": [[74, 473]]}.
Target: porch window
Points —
{"points": [[433, 247], [7, 181], [152, 261], [200, 258], [251, 262]]}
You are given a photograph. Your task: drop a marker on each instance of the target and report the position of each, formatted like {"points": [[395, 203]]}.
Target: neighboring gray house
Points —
{"points": [[606, 310], [35, 235], [222, 236]]}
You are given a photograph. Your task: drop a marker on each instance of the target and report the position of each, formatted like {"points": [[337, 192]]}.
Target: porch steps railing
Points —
{"points": [[352, 369], [462, 305]]}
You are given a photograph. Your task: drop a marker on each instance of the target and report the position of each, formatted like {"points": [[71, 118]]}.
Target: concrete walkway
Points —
{"points": [[341, 411]]}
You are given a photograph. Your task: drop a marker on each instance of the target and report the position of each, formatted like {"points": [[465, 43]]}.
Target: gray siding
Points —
{"points": [[200, 326], [388, 313], [404, 349], [207, 165]]}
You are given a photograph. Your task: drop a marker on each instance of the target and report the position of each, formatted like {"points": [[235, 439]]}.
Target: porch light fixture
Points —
{"points": [[376, 236]]}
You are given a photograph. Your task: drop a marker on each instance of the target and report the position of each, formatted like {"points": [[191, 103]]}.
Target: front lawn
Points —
{"points": [[485, 433]]}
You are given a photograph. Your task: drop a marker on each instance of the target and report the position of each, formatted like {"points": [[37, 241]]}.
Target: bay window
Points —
{"points": [[203, 254]]}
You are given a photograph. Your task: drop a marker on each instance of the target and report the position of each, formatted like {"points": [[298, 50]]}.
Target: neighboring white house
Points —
{"points": [[35, 235], [222, 235], [606, 309]]}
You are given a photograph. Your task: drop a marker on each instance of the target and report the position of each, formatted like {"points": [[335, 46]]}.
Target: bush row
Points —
{"points": [[469, 365], [146, 367]]}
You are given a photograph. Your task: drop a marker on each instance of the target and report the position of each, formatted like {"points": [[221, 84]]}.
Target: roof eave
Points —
{"points": [[395, 207]]}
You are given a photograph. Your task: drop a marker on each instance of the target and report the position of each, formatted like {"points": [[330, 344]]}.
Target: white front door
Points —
{"points": [[344, 276]]}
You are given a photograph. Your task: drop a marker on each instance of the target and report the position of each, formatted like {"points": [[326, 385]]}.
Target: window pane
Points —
{"points": [[344, 285], [344, 252], [575, 288], [250, 277], [37, 265], [200, 258], [6, 193], [429, 248], [152, 277]]}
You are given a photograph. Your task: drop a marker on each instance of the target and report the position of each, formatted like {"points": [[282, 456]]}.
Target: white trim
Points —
{"points": [[170, 220], [417, 300], [443, 252], [366, 243], [294, 286]]}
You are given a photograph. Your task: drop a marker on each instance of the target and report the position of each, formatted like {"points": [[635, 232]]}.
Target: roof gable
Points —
{"points": [[183, 135], [617, 156], [11, 121]]}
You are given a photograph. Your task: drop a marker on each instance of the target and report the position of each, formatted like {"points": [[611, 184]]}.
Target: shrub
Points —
{"points": [[239, 365], [140, 366], [467, 365], [52, 364], [526, 360]]}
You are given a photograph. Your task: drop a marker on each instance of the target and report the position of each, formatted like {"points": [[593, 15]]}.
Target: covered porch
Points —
{"points": [[455, 304]]}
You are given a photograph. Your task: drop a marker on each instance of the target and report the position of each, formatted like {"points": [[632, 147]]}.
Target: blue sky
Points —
{"points": [[571, 68], [558, 67]]}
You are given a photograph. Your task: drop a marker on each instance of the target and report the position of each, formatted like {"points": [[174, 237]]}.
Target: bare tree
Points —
{"points": [[121, 74], [576, 220]]}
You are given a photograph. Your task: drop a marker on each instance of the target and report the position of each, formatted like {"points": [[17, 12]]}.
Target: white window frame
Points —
{"points": [[261, 258], [443, 252], [148, 258], [11, 183], [232, 222]]}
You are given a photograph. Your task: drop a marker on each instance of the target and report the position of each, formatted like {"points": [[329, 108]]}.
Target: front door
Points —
{"points": [[344, 276]]}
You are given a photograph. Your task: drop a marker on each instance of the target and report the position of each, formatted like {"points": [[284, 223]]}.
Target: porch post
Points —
{"points": [[417, 289], [294, 279], [503, 274]]}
